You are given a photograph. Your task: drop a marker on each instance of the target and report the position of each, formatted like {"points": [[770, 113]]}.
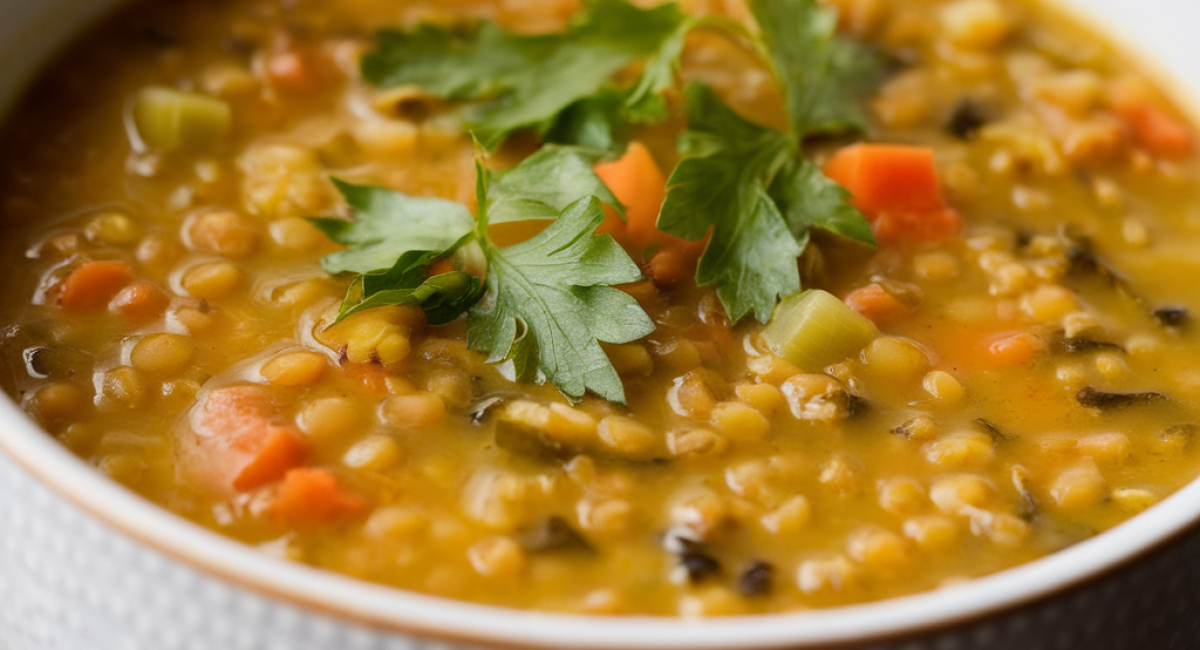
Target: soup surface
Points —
{"points": [[1008, 371]]}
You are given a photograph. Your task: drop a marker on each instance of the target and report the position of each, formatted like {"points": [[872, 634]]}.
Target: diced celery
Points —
{"points": [[170, 120], [815, 329]]}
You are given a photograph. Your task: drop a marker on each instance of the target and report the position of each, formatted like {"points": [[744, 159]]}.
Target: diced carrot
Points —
{"points": [[313, 496], [640, 186], [1012, 349], [897, 188], [279, 449], [92, 284], [140, 302], [875, 303], [239, 440], [885, 177], [1154, 129]]}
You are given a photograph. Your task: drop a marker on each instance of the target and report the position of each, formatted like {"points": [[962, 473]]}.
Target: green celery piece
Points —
{"points": [[823, 77], [443, 297], [544, 184], [815, 329], [387, 224], [549, 303], [521, 81], [808, 198], [722, 187], [169, 120]]}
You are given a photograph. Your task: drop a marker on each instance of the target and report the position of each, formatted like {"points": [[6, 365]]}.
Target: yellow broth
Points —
{"points": [[942, 467]]}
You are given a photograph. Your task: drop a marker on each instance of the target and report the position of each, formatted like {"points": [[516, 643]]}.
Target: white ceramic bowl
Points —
{"points": [[87, 565]]}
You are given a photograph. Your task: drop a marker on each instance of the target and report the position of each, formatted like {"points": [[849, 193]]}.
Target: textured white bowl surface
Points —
{"points": [[1157, 31]]}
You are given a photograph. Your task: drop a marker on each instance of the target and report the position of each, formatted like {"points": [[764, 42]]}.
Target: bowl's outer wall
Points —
{"points": [[70, 582]]}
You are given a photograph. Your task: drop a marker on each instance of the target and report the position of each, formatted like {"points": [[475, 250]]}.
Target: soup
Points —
{"points": [[866, 314]]}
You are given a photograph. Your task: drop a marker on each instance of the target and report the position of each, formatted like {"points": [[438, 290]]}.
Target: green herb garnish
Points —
{"points": [[751, 184], [547, 302], [545, 305], [526, 82], [387, 225], [823, 77], [550, 302]]}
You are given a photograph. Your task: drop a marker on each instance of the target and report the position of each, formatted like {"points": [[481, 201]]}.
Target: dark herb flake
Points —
{"points": [[992, 430], [1082, 345], [552, 534], [856, 404], [1173, 316], [967, 119], [1092, 398], [1029, 505], [695, 559], [756, 579]]}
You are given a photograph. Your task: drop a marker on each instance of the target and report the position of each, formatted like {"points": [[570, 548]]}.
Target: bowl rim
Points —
{"points": [[390, 610]]}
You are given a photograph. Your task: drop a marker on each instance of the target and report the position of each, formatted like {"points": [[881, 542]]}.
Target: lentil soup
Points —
{"points": [[997, 360]]}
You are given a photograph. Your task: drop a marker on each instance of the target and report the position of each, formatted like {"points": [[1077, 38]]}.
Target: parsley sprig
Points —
{"points": [[750, 185], [550, 302], [516, 81], [546, 304]]}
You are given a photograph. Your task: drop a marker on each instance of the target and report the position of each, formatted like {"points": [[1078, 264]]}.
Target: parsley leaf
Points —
{"points": [[388, 224], [590, 123], [808, 198], [645, 102], [548, 303], [751, 255], [521, 81], [443, 297], [546, 183], [749, 185], [823, 77]]}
